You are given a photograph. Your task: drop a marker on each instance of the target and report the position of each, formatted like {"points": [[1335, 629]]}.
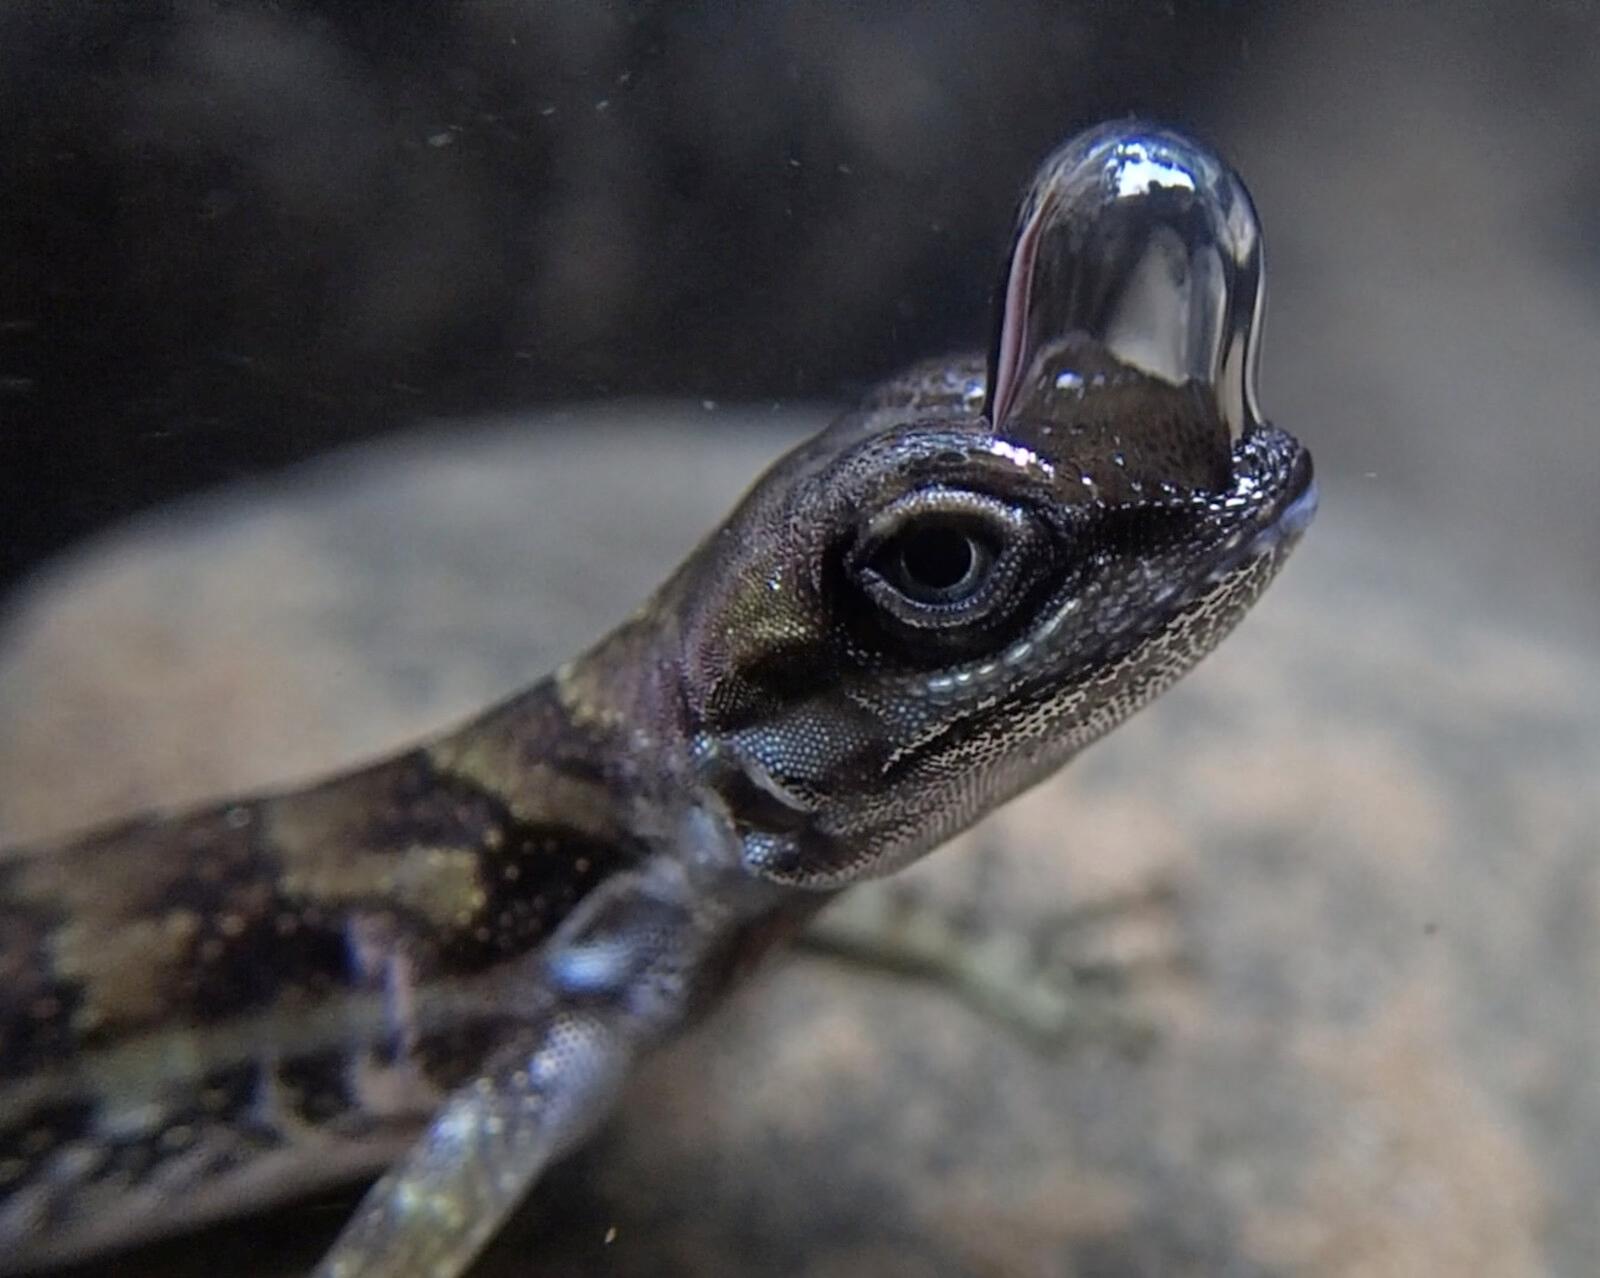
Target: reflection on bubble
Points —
{"points": [[1135, 249]]}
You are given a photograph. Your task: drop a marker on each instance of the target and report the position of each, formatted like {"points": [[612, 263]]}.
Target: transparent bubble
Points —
{"points": [[1136, 249]]}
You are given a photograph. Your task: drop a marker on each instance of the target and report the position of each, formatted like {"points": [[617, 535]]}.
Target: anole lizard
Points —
{"points": [[446, 963]]}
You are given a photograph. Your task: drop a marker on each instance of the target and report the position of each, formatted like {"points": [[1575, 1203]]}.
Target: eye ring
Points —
{"points": [[947, 564]]}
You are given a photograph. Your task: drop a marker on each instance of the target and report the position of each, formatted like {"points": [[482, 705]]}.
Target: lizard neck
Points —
{"points": [[608, 747], [599, 745]]}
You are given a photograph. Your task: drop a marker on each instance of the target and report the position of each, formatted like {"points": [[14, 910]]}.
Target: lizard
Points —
{"points": [[442, 966]]}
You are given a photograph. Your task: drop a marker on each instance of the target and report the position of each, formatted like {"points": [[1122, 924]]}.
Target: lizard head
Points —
{"points": [[940, 599]]}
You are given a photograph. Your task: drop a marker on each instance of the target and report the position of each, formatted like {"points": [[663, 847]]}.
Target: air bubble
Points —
{"points": [[1136, 249]]}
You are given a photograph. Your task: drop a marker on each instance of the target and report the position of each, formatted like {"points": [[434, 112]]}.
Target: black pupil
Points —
{"points": [[938, 559]]}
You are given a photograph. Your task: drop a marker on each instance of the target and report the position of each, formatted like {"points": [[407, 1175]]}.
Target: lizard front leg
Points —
{"points": [[1058, 979], [627, 967], [539, 1095]]}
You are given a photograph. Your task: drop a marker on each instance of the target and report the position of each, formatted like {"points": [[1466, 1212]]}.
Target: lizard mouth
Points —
{"points": [[1294, 517], [1273, 472]]}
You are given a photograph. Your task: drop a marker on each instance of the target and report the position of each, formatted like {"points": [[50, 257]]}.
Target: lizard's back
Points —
{"points": [[219, 1008]]}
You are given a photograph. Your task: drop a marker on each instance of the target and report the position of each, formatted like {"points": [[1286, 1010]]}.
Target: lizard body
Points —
{"points": [[908, 620]]}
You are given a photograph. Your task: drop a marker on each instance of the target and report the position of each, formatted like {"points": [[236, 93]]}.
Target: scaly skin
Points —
{"points": [[907, 621]]}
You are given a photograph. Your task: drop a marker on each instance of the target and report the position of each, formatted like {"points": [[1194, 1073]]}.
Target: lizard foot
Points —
{"points": [[1059, 980]]}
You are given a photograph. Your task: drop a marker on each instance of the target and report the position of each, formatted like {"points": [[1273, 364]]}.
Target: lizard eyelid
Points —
{"points": [[943, 561]]}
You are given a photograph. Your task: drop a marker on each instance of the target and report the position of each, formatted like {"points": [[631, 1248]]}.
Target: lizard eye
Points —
{"points": [[937, 561], [942, 562]]}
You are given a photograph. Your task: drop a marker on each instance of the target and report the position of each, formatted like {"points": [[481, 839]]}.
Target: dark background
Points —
{"points": [[235, 235]]}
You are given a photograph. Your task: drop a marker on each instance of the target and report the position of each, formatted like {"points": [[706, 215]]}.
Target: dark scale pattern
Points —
{"points": [[251, 945], [152, 922], [489, 886], [316, 1088], [56, 1155], [451, 1055], [533, 879], [277, 904], [223, 1111], [36, 1006], [28, 1138]]}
